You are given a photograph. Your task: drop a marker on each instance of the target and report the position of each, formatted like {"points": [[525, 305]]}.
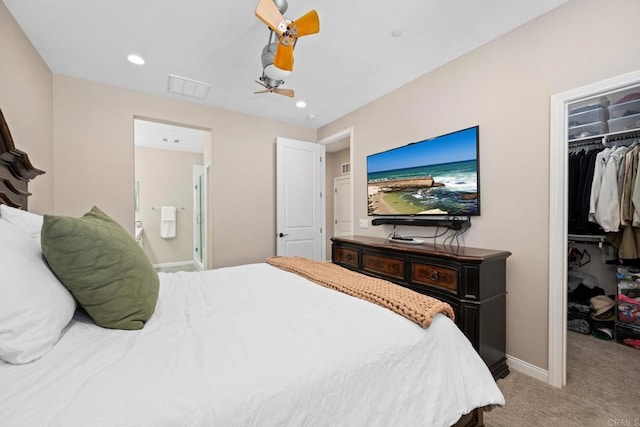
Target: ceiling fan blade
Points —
{"points": [[285, 92], [262, 84], [263, 91], [307, 24], [283, 58], [268, 12]]}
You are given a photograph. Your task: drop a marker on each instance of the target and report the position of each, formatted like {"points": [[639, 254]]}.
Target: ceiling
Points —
{"points": [[352, 61]]}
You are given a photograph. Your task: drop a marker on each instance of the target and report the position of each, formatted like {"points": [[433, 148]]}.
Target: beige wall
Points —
{"points": [[93, 160], [504, 87], [26, 101], [165, 178], [334, 169]]}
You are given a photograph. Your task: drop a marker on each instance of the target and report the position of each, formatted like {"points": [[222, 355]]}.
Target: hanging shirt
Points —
{"points": [[628, 184], [635, 195], [607, 212], [596, 183]]}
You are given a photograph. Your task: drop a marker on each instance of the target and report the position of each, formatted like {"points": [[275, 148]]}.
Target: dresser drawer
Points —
{"points": [[391, 267], [346, 256], [434, 275]]}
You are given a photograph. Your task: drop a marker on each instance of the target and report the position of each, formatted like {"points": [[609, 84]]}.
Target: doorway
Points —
{"points": [[342, 205], [339, 148], [558, 217], [170, 214]]}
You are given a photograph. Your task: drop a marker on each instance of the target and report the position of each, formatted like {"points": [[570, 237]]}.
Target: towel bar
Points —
{"points": [[153, 208]]}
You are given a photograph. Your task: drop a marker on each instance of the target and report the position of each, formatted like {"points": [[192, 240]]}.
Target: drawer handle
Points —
{"points": [[348, 257], [434, 275]]}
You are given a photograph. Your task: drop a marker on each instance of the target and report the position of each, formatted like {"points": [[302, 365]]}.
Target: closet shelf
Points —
{"points": [[607, 137], [587, 238]]}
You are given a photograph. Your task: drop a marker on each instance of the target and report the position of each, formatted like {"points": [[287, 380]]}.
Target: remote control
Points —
{"points": [[408, 239]]}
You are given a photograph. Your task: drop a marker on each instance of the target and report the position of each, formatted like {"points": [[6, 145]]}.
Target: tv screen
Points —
{"points": [[437, 176]]}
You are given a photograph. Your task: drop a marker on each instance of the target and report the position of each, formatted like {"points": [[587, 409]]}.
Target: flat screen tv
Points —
{"points": [[437, 176]]}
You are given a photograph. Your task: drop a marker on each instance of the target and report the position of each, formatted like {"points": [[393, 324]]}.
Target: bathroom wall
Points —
{"points": [[165, 178]]}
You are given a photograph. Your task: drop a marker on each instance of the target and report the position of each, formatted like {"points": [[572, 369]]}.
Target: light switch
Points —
{"points": [[364, 223]]}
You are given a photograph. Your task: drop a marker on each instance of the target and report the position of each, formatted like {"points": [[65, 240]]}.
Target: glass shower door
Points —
{"points": [[198, 228]]}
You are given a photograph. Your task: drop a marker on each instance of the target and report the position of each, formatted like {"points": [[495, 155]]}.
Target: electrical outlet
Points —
{"points": [[364, 223]]}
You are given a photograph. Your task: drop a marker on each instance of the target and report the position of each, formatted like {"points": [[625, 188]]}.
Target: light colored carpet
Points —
{"points": [[603, 390]]}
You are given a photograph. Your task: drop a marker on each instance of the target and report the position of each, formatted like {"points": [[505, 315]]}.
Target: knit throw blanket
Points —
{"points": [[412, 305]]}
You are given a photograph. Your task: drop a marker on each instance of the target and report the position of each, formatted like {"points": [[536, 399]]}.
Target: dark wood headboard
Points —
{"points": [[15, 170]]}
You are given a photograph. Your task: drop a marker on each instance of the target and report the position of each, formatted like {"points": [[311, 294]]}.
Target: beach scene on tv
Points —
{"points": [[438, 176]]}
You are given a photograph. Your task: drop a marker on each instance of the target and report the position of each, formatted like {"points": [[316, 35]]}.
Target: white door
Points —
{"points": [[299, 198], [342, 206]]}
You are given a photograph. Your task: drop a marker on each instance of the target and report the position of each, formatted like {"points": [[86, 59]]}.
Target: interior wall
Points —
{"points": [[505, 88], [165, 178], [333, 164], [26, 101], [94, 161]]}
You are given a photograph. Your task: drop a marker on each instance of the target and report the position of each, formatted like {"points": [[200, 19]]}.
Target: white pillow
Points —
{"points": [[28, 222], [34, 306]]}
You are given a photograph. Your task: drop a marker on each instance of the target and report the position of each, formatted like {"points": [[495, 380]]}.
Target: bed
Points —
{"points": [[250, 345]]}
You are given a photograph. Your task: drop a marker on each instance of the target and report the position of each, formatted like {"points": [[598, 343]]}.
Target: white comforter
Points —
{"points": [[251, 346]]}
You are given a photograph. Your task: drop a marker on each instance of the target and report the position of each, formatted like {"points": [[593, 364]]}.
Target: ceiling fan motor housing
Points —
{"points": [[281, 5], [271, 83], [269, 70]]}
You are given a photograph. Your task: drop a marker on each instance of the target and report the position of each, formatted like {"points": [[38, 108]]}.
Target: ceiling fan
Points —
{"points": [[277, 56], [275, 89], [288, 31]]}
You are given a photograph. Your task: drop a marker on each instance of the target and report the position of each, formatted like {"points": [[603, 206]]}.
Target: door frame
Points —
{"points": [[207, 215], [334, 138], [558, 154]]}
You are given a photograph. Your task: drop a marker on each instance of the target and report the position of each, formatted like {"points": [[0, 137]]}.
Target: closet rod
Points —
{"points": [[623, 135], [600, 140]]}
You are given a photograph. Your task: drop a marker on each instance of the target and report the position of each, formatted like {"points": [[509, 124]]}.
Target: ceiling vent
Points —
{"points": [[188, 87]]}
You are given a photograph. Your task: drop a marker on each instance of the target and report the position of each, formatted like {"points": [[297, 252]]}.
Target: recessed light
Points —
{"points": [[301, 104], [312, 116], [135, 59]]}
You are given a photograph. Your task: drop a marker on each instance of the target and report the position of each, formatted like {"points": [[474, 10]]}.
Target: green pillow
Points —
{"points": [[103, 267]]}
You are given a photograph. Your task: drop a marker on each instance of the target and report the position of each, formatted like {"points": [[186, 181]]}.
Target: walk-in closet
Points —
{"points": [[603, 210]]}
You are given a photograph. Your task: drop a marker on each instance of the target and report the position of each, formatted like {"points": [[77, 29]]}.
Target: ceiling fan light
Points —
{"points": [[270, 70], [276, 73]]}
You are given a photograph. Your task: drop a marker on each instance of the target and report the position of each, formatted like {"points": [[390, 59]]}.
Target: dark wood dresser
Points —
{"points": [[471, 280]]}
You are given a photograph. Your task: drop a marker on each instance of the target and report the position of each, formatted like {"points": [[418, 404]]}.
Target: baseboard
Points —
{"points": [[172, 264], [528, 369]]}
